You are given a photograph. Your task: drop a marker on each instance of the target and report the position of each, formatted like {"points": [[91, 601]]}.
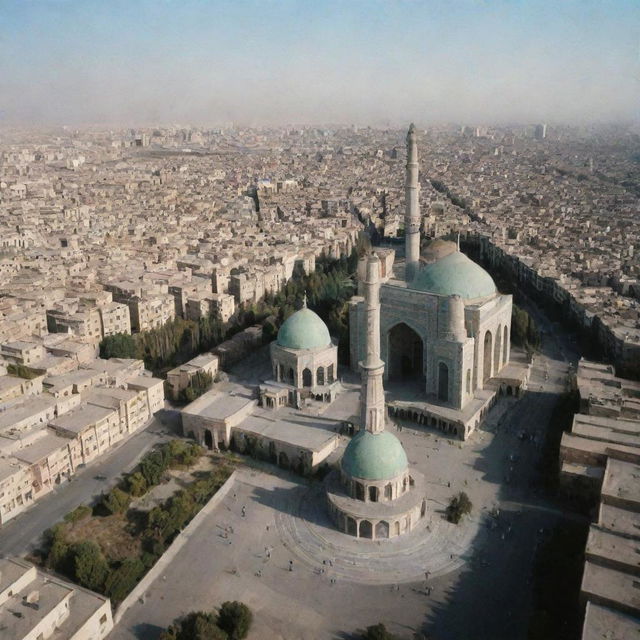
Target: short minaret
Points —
{"points": [[412, 208], [372, 409]]}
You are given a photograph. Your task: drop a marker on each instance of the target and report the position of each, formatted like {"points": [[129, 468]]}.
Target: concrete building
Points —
{"points": [[38, 606], [179, 378]]}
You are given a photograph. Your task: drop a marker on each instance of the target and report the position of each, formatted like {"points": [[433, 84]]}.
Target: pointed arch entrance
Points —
{"points": [[406, 353]]}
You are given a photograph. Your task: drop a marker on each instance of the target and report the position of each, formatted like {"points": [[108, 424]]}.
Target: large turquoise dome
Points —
{"points": [[455, 274], [304, 330], [374, 456]]}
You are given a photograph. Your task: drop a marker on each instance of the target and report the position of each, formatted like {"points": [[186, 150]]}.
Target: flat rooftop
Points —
{"points": [[621, 521], [309, 432], [9, 382], [613, 550], [18, 618], [622, 482], [49, 443], [29, 407], [618, 431], [221, 402], [78, 420], [611, 588], [603, 623]]}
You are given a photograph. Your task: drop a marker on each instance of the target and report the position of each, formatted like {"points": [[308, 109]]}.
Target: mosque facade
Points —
{"points": [[443, 324]]}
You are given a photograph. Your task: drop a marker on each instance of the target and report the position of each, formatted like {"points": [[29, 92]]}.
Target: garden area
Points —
{"points": [[110, 546]]}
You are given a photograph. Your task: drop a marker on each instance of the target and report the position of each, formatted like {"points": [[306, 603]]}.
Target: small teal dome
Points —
{"points": [[374, 456], [455, 274], [304, 330]]}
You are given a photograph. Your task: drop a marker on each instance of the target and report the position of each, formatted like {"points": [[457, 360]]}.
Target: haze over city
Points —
{"points": [[378, 62], [319, 320]]}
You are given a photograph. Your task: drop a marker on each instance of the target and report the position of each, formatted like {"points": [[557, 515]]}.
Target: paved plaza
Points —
{"points": [[304, 580]]}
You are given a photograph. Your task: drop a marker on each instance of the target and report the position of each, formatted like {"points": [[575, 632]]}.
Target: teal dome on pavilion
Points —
{"points": [[304, 329], [455, 274], [374, 456]]}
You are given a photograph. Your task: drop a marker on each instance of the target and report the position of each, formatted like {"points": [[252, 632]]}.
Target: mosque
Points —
{"points": [[435, 322], [444, 327]]}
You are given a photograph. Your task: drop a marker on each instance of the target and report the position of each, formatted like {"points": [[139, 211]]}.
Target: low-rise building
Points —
{"points": [[38, 606]]}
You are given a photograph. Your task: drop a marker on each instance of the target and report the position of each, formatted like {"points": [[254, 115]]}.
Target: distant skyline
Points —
{"points": [[261, 62]]}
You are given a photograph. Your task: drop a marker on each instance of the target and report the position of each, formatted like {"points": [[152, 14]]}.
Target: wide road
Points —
{"points": [[24, 532]]}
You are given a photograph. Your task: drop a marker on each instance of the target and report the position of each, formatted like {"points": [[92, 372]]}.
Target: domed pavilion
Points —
{"points": [[304, 361]]}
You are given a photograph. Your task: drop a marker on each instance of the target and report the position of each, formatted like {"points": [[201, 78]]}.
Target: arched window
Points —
{"points": [[382, 530], [496, 351], [468, 380], [373, 494], [320, 376], [505, 347], [307, 378], [330, 374], [388, 491], [366, 529], [488, 344]]}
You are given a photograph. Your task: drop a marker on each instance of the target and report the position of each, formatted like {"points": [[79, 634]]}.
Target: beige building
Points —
{"points": [[16, 490], [95, 428], [38, 606], [180, 377]]}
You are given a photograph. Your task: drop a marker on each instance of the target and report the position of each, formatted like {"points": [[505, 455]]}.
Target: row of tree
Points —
{"points": [[85, 562], [524, 332], [327, 289]]}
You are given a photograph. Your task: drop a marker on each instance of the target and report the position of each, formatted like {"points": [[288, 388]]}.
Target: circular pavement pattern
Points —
{"points": [[434, 546]]}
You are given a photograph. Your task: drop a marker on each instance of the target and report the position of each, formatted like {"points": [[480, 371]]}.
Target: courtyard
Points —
{"points": [[305, 580]]}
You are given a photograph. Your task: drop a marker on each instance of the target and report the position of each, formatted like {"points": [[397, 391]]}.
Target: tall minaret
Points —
{"points": [[412, 207], [372, 409]]}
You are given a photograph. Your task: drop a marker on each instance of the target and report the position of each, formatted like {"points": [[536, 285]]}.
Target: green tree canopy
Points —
{"points": [[235, 618], [119, 345], [197, 625], [90, 567]]}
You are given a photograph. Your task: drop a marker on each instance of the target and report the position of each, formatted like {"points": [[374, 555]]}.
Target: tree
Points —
{"points": [[378, 632], [116, 501], [197, 625], [119, 345], [136, 484], [90, 567], [459, 506], [200, 383], [152, 467], [120, 583], [235, 618]]}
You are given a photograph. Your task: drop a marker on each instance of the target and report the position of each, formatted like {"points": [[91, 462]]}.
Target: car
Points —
{"points": [[100, 477]]}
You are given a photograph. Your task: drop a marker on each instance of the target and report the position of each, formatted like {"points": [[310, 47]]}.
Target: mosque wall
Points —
{"points": [[470, 363]]}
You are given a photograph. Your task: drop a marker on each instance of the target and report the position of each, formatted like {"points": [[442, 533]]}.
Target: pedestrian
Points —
{"points": [[244, 511], [449, 484], [290, 565]]}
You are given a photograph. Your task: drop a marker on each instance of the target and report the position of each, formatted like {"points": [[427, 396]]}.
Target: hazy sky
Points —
{"points": [[280, 61]]}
